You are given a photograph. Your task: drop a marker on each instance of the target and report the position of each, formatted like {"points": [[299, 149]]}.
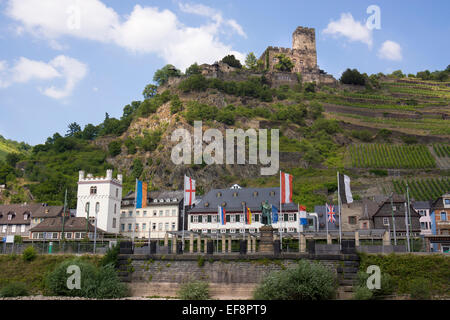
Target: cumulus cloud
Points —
{"points": [[353, 30], [25, 70], [390, 50], [145, 30]]}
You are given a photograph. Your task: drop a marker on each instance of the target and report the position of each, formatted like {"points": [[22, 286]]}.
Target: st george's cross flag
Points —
{"points": [[221, 213], [189, 191], [345, 192], [286, 187]]}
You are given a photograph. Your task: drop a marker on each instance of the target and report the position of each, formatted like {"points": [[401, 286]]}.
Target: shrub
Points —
{"points": [[420, 289], [362, 293], [307, 281], [363, 135], [387, 286], [385, 134], [232, 61], [131, 146], [29, 254], [194, 290], [111, 256], [352, 76], [409, 139], [114, 148], [14, 289], [310, 87], [100, 283]]}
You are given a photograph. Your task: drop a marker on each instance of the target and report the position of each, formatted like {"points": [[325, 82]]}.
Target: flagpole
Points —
{"points": [[183, 210], [299, 225], [135, 206], [340, 220], [326, 218], [281, 217]]}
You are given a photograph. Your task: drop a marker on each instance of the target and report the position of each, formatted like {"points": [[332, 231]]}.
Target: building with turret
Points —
{"points": [[100, 197]]}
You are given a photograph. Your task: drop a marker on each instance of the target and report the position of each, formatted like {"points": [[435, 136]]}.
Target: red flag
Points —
{"points": [[286, 187]]}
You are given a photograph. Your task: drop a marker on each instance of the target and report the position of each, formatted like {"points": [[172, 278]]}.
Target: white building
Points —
{"points": [[204, 217], [163, 213], [424, 209], [100, 196]]}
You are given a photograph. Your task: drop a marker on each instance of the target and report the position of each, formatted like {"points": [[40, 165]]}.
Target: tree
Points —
{"points": [[193, 69], [114, 148], [12, 158], [149, 91], [90, 132], [352, 76], [251, 61], [161, 76], [232, 61], [284, 63], [137, 168], [74, 128], [397, 74]]}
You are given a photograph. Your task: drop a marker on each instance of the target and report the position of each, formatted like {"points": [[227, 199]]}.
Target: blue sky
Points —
{"points": [[73, 60]]}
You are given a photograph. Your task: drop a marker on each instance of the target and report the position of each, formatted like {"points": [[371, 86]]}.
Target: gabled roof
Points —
{"points": [[439, 202], [418, 205], [48, 211], [18, 210], [232, 200], [71, 224]]}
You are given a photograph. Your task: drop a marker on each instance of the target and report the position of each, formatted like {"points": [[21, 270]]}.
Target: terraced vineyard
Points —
{"points": [[423, 189], [388, 156], [442, 150]]}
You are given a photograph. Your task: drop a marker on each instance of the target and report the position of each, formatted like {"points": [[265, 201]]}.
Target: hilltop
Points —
{"points": [[390, 130]]}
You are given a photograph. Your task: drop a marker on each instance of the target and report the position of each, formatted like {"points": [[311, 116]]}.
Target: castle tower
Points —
{"points": [[101, 194], [304, 47]]}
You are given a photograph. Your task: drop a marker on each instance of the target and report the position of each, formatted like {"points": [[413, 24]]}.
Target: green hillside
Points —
{"points": [[10, 146], [391, 124]]}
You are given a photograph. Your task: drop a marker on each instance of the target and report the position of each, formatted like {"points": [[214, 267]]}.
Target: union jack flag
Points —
{"points": [[331, 214]]}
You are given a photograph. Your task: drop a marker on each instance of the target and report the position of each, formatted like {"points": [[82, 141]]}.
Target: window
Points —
{"points": [[154, 226], [386, 221], [174, 212], [422, 225], [252, 230], [256, 217], [209, 218], [166, 226], [200, 219], [129, 227], [292, 230], [223, 230], [25, 216], [232, 230], [365, 225], [443, 216], [213, 230], [117, 193], [160, 226], [137, 213], [22, 228], [241, 230], [227, 218], [55, 235], [214, 219], [122, 227], [145, 213], [194, 219], [144, 226], [204, 230], [161, 213], [233, 218], [173, 226], [167, 213], [285, 217], [115, 208], [291, 218], [447, 201], [68, 235], [352, 220], [154, 213], [114, 223], [93, 190], [13, 228], [137, 227], [130, 213], [205, 219]]}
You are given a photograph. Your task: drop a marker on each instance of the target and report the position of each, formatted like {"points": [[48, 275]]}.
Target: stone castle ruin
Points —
{"points": [[303, 55]]}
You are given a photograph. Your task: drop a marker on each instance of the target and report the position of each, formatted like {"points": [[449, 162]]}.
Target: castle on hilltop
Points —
{"points": [[303, 53]]}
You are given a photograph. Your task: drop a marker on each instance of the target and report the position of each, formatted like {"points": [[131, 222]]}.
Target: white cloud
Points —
{"points": [[145, 30], [62, 67], [353, 30], [390, 50]]}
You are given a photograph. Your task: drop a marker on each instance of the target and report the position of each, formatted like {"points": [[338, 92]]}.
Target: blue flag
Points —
{"points": [[274, 214]]}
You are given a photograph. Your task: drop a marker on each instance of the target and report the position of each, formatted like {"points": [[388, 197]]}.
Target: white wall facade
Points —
{"points": [[105, 193], [157, 218]]}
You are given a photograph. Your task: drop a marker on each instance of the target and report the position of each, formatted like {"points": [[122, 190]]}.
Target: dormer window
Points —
{"points": [[25, 216], [155, 200], [255, 193], [206, 204], [161, 200], [219, 194], [10, 216], [272, 193], [168, 200], [93, 190], [235, 194]]}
